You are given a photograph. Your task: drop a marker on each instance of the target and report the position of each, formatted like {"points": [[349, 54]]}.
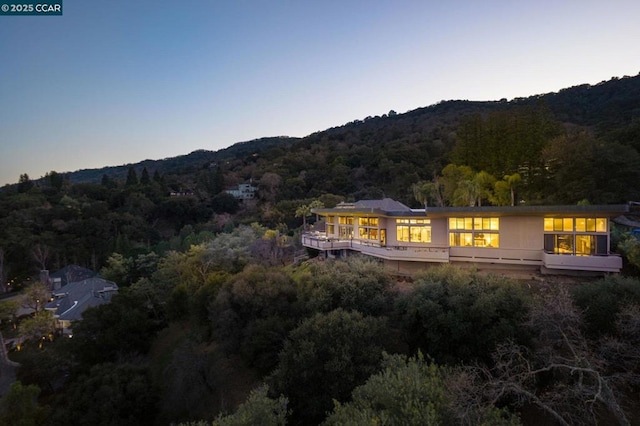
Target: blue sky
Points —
{"points": [[113, 82]]}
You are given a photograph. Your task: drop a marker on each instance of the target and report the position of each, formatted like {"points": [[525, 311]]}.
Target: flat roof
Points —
{"points": [[379, 209]]}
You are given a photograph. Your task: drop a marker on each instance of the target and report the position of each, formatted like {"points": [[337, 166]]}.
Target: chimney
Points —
{"points": [[45, 279]]}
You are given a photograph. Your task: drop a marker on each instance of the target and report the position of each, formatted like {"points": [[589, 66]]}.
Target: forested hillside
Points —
{"points": [[214, 317]]}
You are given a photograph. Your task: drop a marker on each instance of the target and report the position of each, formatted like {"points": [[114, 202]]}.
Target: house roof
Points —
{"points": [[630, 220], [72, 273], [368, 206], [74, 298], [386, 204], [389, 207]]}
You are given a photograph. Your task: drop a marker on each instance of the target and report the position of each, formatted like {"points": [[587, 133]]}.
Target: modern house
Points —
{"points": [[71, 300], [549, 239]]}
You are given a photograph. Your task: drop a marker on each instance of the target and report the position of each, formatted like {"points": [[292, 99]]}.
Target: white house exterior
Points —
{"points": [[245, 191], [550, 239]]}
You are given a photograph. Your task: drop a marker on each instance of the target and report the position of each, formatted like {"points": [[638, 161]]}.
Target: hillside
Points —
{"points": [[581, 144], [384, 155]]}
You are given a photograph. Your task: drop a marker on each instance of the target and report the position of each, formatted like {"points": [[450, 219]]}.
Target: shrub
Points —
{"points": [[602, 300], [459, 315]]}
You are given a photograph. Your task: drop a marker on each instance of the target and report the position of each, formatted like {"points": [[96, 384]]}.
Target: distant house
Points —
{"points": [[549, 239], [72, 299], [245, 191]]}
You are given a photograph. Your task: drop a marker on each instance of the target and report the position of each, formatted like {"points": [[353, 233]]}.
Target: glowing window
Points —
{"points": [[482, 235], [580, 236], [368, 221], [345, 220], [461, 239], [413, 230]]}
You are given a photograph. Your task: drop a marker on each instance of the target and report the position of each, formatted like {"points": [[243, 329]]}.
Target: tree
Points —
{"points": [[303, 211], [224, 202], [602, 300], [253, 314], [144, 178], [125, 327], [452, 176], [485, 184], [501, 194], [513, 181], [38, 327], [467, 193], [24, 183], [41, 253], [358, 284], [126, 393], [132, 177], [118, 269], [54, 179], [8, 310], [107, 182], [19, 406], [259, 409], [326, 357], [576, 388], [459, 315], [406, 392], [35, 296], [412, 391], [422, 192]]}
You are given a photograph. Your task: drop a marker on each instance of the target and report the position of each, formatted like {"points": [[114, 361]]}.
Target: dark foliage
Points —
{"points": [[602, 300], [460, 316], [110, 395], [325, 358]]}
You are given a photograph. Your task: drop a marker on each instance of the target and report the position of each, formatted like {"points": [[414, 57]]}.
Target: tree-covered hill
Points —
{"points": [[581, 144], [385, 155], [183, 164]]}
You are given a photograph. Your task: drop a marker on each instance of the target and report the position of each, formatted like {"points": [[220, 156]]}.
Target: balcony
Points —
{"points": [[611, 263], [319, 241]]}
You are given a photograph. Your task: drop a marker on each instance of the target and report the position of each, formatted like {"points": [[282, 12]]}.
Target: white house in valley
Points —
{"points": [[549, 239]]}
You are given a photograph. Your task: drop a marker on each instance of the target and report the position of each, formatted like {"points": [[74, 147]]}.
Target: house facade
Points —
{"points": [[549, 239], [245, 191]]}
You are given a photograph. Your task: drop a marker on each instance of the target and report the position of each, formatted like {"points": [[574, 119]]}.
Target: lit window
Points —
{"points": [[345, 232], [345, 220], [413, 230], [580, 236], [368, 228], [483, 234]]}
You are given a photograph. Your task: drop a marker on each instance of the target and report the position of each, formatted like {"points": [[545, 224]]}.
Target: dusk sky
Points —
{"points": [[113, 82]]}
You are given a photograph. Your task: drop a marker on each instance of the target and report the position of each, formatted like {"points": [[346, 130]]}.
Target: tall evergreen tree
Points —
{"points": [[24, 183], [144, 178], [132, 177]]}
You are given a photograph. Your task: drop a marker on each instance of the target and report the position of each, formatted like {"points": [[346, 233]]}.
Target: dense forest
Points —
{"points": [[214, 321]]}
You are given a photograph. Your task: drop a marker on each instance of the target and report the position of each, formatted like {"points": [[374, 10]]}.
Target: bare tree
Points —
{"points": [[40, 253], [576, 387]]}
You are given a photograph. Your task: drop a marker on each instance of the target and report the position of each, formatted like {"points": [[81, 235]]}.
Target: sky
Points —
{"points": [[114, 82]]}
